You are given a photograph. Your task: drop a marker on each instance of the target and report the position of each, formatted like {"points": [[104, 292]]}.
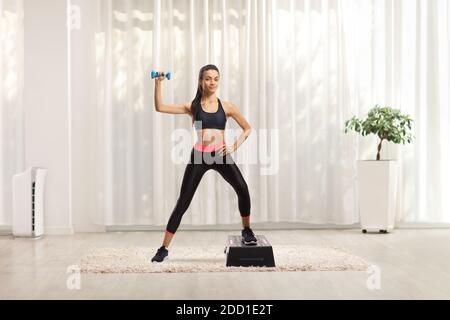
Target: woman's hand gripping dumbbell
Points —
{"points": [[161, 75]]}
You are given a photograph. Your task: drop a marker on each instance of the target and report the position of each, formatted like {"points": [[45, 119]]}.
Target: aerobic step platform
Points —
{"points": [[241, 255]]}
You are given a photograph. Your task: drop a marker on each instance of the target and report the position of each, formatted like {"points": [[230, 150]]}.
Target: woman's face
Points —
{"points": [[210, 81]]}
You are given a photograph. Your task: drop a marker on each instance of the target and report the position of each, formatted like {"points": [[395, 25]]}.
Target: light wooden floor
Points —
{"points": [[414, 264]]}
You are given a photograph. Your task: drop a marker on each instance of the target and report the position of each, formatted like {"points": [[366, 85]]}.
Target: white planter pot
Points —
{"points": [[377, 187]]}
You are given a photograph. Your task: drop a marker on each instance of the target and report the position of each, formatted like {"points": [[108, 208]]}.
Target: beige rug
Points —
{"points": [[212, 259]]}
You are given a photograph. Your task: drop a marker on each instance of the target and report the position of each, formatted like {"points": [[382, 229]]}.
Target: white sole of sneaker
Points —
{"points": [[165, 258]]}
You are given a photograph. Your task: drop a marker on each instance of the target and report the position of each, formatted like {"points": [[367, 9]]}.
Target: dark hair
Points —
{"points": [[198, 96]]}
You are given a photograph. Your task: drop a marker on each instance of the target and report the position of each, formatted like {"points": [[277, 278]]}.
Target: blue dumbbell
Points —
{"points": [[156, 74]]}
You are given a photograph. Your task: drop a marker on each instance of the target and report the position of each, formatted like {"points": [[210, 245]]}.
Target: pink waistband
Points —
{"points": [[208, 148]]}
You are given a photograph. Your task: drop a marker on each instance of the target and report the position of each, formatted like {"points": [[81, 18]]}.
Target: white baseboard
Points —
{"points": [[275, 226], [58, 231], [229, 227], [5, 230], [422, 225], [89, 228]]}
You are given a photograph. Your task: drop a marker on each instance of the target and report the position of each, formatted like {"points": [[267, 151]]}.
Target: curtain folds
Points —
{"points": [[296, 70]]}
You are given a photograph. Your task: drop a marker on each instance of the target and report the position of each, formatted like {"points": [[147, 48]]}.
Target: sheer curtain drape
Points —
{"points": [[11, 102], [297, 70]]}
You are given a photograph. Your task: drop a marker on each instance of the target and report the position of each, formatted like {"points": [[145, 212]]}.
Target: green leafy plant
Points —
{"points": [[387, 123]]}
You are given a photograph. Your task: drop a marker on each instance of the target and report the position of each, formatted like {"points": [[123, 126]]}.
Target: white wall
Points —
{"points": [[83, 118], [59, 103], [46, 105]]}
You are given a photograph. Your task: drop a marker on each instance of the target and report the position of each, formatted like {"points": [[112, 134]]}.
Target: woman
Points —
{"points": [[209, 116]]}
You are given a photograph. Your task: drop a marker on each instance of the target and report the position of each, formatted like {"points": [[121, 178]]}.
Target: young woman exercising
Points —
{"points": [[209, 117]]}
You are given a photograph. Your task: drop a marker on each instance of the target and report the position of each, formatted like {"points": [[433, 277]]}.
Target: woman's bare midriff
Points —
{"points": [[210, 136]]}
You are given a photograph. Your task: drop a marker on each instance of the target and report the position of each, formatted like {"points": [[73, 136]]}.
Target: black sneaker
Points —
{"points": [[248, 237], [161, 255]]}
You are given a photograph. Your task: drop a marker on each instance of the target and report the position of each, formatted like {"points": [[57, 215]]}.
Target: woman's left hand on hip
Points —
{"points": [[225, 149]]}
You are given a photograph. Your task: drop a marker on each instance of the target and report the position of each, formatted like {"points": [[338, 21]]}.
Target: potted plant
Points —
{"points": [[377, 179]]}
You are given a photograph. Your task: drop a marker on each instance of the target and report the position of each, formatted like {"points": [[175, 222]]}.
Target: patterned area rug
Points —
{"points": [[212, 259]]}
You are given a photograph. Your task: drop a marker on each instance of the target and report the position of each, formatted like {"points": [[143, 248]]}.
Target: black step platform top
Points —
{"points": [[236, 241], [242, 255]]}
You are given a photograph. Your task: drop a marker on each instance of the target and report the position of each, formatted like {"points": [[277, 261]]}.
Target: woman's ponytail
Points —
{"points": [[196, 101]]}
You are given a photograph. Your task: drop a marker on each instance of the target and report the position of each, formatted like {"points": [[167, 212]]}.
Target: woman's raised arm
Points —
{"points": [[183, 108]]}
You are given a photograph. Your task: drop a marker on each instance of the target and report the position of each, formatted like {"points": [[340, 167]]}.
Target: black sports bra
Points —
{"points": [[210, 120]]}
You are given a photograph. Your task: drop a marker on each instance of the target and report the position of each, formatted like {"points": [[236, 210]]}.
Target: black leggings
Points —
{"points": [[199, 163]]}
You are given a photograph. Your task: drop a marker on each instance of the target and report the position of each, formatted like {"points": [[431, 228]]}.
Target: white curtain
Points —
{"points": [[11, 98], [296, 70]]}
